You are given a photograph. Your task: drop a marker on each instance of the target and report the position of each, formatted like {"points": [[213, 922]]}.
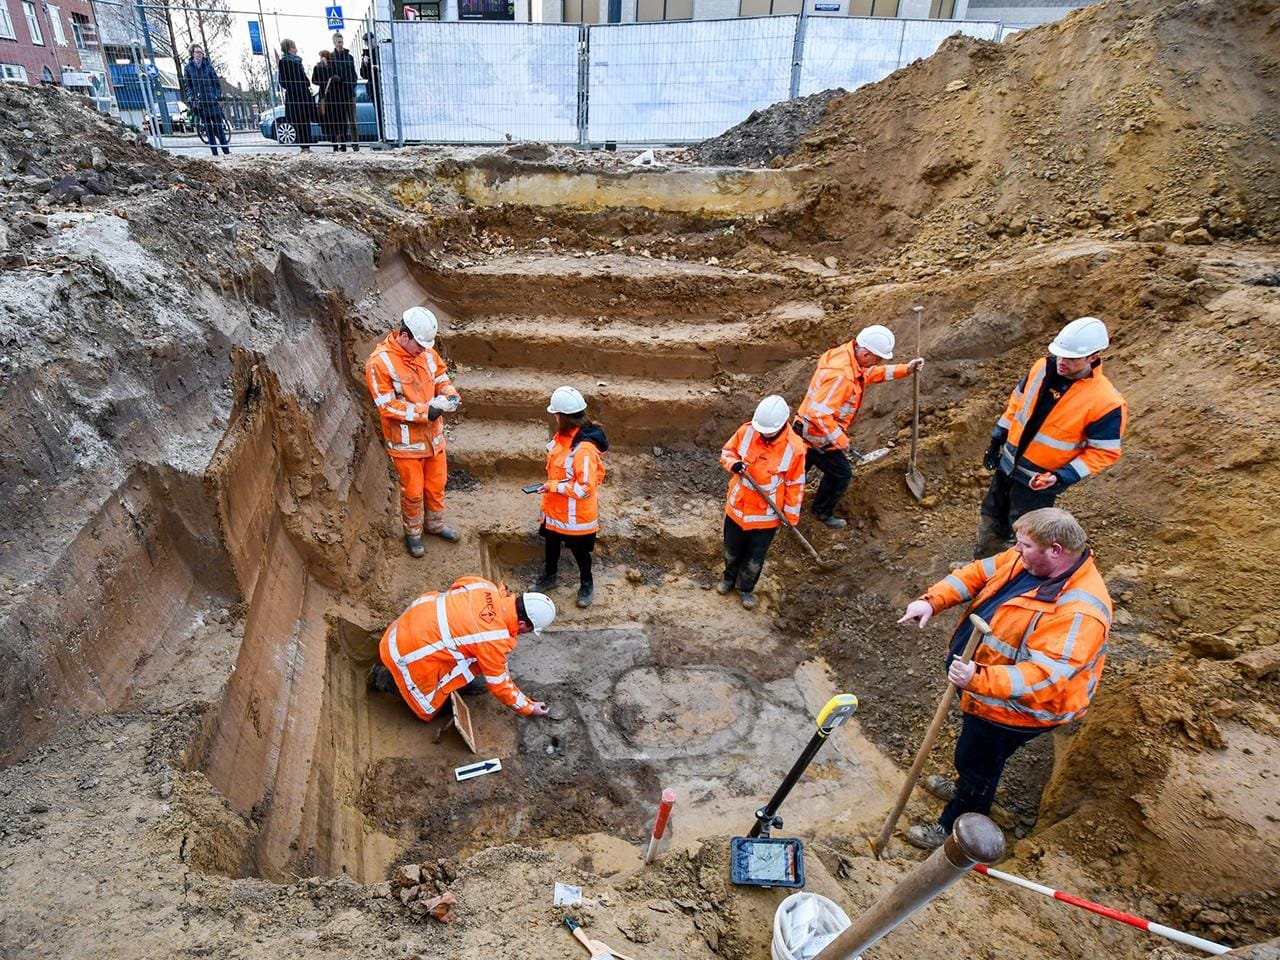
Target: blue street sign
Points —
{"points": [[255, 37], [334, 16], [153, 71]]}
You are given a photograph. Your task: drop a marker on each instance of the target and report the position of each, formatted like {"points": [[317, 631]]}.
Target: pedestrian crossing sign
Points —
{"points": [[334, 16]]}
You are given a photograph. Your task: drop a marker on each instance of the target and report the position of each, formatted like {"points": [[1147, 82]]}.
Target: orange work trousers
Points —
{"points": [[422, 478]]}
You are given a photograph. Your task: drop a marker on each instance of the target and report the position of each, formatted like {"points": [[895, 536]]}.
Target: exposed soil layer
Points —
{"points": [[767, 134], [200, 548]]}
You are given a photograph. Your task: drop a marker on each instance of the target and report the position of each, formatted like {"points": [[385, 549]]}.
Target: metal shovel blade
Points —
{"points": [[915, 482]]}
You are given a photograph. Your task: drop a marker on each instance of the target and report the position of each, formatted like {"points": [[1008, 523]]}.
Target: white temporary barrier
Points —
{"points": [[466, 82], [684, 80], [851, 51]]}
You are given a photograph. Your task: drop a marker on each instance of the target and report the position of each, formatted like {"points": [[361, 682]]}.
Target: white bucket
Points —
{"points": [[804, 924]]}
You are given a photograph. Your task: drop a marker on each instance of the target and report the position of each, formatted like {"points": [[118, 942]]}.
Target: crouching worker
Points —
{"points": [[459, 640], [772, 456], [1050, 613]]}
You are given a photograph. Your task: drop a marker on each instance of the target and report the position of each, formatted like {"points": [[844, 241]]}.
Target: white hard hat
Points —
{"points": [[422, 324], [1080, 338], [566, 400], [772, 414], [877, 339], [540, 609]]}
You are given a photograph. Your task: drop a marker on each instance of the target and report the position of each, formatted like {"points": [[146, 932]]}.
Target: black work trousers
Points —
{"points": [[744, 552], [1007, 499], [837, 474], [580, 545], [981, 753]]}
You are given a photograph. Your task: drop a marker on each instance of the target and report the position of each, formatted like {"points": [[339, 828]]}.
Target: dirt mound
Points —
{"points": [[1131, 118], [772, 132]]}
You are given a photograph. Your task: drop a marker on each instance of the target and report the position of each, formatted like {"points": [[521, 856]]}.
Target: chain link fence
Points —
{"points": [[411, 81]]}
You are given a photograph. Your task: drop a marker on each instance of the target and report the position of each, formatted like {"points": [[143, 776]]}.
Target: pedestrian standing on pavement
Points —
{"points": [[203, 88], [1050, 614], [344, 73], [299, 105], [411, 388], [773, 457], [570, 505], [1063, 422], [322, 77], [370, 74], [458, 641], [831, 405]]}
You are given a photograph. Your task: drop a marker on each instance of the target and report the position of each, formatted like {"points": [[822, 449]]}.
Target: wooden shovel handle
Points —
{"points": [[781, 516], [939, 717]]}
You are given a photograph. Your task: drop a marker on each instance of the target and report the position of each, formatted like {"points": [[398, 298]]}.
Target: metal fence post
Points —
{"points": [[395, 81], [902, 42], [974, 839], [584, 81], [797, 50]]}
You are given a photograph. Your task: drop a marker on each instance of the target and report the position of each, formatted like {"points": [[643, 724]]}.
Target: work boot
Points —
{"points": [[929, 837], [748, 600], [586, 593], [941, 787], [447, 534], [414, 542], [835, 523], [545, 584], [724, 587]]}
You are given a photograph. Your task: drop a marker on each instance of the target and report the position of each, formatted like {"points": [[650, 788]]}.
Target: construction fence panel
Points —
{"points": [[852, 51], [684, 81], [464, 82]]}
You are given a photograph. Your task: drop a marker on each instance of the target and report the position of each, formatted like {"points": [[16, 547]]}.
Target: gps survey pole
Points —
{"points": [[838, 709]]}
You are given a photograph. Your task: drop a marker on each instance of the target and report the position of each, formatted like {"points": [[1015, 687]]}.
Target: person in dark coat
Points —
{"points": [[299, 105], [370, 74], [344, 72], [203, 89], [322, 77]]}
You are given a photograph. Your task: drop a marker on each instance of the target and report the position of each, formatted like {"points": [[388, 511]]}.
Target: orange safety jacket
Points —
{"points": [[1080, 436], [777, 468], [1043, 662], [570, 504], [444, 639], [401, 387], [835, 394]]}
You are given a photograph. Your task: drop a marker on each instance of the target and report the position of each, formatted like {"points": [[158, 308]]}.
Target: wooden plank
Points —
{"points": [[462, 720]]}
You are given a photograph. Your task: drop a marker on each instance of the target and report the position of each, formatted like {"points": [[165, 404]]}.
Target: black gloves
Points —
{"points": [[434, 413], [739, 467], [991, 459]]}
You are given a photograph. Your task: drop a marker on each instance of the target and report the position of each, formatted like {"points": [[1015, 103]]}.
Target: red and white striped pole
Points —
{"points": [[660, 825], [1159, 929]]}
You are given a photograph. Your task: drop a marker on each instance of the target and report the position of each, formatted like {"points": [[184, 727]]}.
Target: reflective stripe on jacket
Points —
{"points": [[401, 387], [1043, 663], [778, 469], [570, 504], [835, 394], [1080, 436], [445, 639]]}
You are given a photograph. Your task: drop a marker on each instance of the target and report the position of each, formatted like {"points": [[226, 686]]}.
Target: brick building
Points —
{"points": [[52, 43]]}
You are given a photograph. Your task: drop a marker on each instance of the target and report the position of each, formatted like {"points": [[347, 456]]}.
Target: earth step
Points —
{"points": [[573, 286], [691, 351], [634, 410]]}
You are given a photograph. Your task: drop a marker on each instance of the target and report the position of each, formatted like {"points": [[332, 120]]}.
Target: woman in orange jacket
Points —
{"points": [[570, 510]]}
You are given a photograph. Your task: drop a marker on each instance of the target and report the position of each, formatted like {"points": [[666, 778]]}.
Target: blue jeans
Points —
{"points": [[981, 753], [217, 131]]}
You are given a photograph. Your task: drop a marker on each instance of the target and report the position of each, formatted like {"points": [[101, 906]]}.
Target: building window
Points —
{"points": [[33, 22], [765, 8], [422, 11], [13, 72], [81, 30], [6, 22], [46, 76], [882, 8], [55, 21], [486, 9], [650, 10], [582, 11]]}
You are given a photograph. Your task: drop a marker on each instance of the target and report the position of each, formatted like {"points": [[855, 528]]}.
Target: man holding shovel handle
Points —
{"points": [[1049, 613]]}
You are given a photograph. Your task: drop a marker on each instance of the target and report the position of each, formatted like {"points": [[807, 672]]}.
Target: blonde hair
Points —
{"points": [[1050, 525]]}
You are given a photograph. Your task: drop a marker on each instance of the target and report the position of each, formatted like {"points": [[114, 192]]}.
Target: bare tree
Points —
{"points": [[207, 22], [258, 77]]}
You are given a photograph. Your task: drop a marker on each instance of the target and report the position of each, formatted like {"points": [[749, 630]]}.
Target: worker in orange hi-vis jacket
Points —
{"points": [[412, 391], [1050, 614], [773, 457], [1064, 421], [831, 405], [458, 640]]}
